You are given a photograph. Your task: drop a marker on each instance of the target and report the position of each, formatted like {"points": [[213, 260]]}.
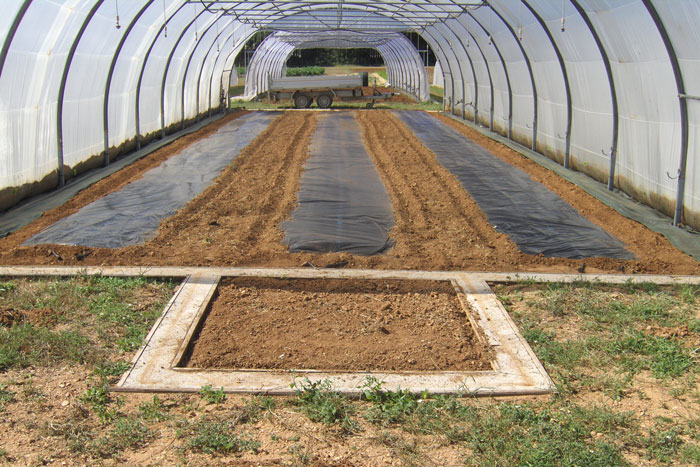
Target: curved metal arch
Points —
{"points": [[445, 62], [680, 86], [143, 69], [613, 91], [62, 88], [505, 71], [211, 77], [110, 73], [251, 33], [189, 61], [461, 73], [567, 84], [167, 67], [11, 33], [488, 71], [526, 57], [233, 50]]}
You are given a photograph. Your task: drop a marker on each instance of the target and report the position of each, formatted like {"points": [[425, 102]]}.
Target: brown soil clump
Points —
{"points": [[355, 325]]}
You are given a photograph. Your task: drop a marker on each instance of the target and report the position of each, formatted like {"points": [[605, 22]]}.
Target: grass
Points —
{"points": [[623, 357], [437, 93], [82, 320], [322, 404], [212, 396], [627, 330], [213, 435]]}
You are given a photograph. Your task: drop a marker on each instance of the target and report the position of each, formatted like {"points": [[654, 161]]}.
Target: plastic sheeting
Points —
{"points": [[343, 204], [132, 215], [536, 219]]}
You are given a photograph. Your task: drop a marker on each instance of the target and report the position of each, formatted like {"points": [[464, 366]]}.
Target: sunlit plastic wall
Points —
{"points": [[516, 50], [173, 58]]}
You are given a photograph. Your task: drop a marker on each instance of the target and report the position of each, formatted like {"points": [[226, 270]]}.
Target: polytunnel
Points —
{"points": [[604, 87], [405, 69]]}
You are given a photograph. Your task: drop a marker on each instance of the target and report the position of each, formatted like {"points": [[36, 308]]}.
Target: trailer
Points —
{"points": [[324, 89]]}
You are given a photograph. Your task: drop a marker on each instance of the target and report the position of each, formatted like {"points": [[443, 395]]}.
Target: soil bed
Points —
{"points": [[353, 325], [236, 221]]}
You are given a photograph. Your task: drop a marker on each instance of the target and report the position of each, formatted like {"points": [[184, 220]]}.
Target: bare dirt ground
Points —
{"points": [[235, 222], [268, 323]]}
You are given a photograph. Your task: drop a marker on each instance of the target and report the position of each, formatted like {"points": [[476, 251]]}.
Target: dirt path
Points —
{"points": [[235, 222]]}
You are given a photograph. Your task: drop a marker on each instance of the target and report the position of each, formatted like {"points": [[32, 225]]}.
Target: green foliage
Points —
{"points": [[335, 57], [322, 404], [387, 406], [514, 434], [6, 397], [154, 410], [306, 71], [259, 405], [664, 445], [24, 345], [106, 368], [216, 436], [108, 305], [97, 396], [212, 396], [667, 357], [6, 287]]}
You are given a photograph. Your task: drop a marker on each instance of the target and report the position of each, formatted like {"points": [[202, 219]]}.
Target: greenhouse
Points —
{"points": [[604, 87], [311, 232]]}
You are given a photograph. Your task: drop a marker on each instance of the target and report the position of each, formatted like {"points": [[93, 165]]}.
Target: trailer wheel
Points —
{"points": [[324, 101], [302, 101]]}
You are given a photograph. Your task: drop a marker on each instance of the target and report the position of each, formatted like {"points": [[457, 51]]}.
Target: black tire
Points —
{"points": [[324, 101], [302, 101]]}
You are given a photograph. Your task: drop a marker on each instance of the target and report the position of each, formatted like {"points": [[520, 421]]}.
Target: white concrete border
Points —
{"points": [[184, 271], [517, 371]]}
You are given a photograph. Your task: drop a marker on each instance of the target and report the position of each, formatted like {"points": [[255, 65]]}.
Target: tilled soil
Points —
{"points": [[354, 325], [235, 222]]}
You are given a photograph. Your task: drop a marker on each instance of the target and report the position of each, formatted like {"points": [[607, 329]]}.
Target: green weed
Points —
{"points": [[6, 396], [154, 410], [216, 436], [212, 396], [107, 369], [387, 406], [322, 404], [24, 345], [514, 434], [97, 396]]}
